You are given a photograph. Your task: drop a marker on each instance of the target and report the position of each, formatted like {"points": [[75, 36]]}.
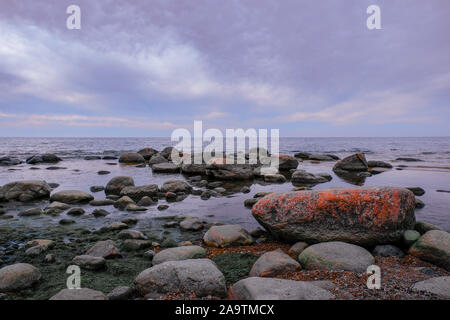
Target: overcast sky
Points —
{"points": [[145, 68]]}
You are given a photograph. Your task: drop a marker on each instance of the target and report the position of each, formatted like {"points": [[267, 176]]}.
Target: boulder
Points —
{"points": [[104, 249], [297, 248], [433, 247], [176, 186], [179, 253], [156, 159], [131, 234], [147, 153], [76, 212], [272, 264], [123, 203], [136, 244], [166, 167], [18, 276], [287, 162], [301, 177], [322, 157], [135, 208], [31, 212], [336, 256], [131, 158], [116, 184], [227, 235], [274, 178], [423, 227], [217, 169], [56, 208], [256, 288], [137, 193], [198, 276], [102, 202], [89, 262], [410, 236], [353, 163], [365, 216], [79, 294], [146, 202], [100, 213], [167, 152], [199, 169], [418, 191], [439, 286], [71, 197], [25, 191], [44, 158], [388, 251], [302, 155], [121, 293], [97, 188], [191, 224], [9, 161]]}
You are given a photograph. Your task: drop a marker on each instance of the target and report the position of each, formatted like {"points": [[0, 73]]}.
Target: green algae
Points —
{"points": [[235, 266]]}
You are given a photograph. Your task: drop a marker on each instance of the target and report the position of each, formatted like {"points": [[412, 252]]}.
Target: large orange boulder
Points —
{"points": [[365, 216]]}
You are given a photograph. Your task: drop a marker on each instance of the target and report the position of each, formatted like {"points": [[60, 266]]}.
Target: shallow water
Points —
{"points": [[81, 174]]}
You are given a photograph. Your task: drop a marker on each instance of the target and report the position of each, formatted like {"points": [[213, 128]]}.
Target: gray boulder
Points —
{"points": [[79, 294], [18, 276], [191, 224], [147, 153], [157, 158], [227, 235], [199, 276], [256, 288], [89, 262], [336, 256], [137, 193], [116, 184], [388, 251], [301, 177], [272, 264], [379, 164], [179, 253], [121, 293], [353, 163], [131, 158], [166, 167], [104, 249], [25, 191], [44, 158], [31, 212], [71, 197], [433, 247], [439, 286], [176, 186]]}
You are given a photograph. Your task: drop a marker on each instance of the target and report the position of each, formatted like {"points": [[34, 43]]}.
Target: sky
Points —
{"points": [[145, 68]]}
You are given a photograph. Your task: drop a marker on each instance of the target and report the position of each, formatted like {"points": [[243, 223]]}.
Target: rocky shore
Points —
{"points": [[313, 244]]}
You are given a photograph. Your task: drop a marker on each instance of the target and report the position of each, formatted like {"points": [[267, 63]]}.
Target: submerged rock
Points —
{"points": [[44, 158], [31, 212], [365, 216], [137, 193], [379, 164], [256, 288], [336, 256]]}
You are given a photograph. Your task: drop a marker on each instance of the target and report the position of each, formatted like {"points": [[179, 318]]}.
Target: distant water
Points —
{"points": [[432, 173]]}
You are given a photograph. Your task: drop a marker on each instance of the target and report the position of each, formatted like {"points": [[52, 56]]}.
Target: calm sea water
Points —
{"points": [[431, 174]]}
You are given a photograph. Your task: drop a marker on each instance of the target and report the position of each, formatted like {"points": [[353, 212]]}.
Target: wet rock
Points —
{"points": [[388, 251], [245, 190], [149, 254], [103, 172], [409, 159], [146, 202], [123, 203], [121, 293], [163, 207], [218, 170], [102, 202], [131, 234], [131, 158], [274, 178], [31, 212], [257, 232], [166, 168], [71, 197], [373, 171], [18, 276], [147, 153], [353, 163], [191, 224], [79, 294], [418, 191], [36, 247], [76, 212], [92, 158], [297, 248], [44, 158], [365, 216], [167, 152], [115, 226], [9, 161], [323, 157], [176, 186], [97, 188], [379, 164], [135, 245], [439, 286], [89, 262], [130, 221], [168, 243], [100, 213], [205, 195], [137, 193], [109, 158], [336, 256], [194, 169], [256, 288], [302, 155], [423, 227], [104, 249], [409, 237], [300, 177], [287, 162], [199, 276], [25, 191], [116, 184], [419, 204], [179, 253], [433, 247], [227, 235], [249, 203], [272, 264], [66, 221], [135, 208], [157, 159]]}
